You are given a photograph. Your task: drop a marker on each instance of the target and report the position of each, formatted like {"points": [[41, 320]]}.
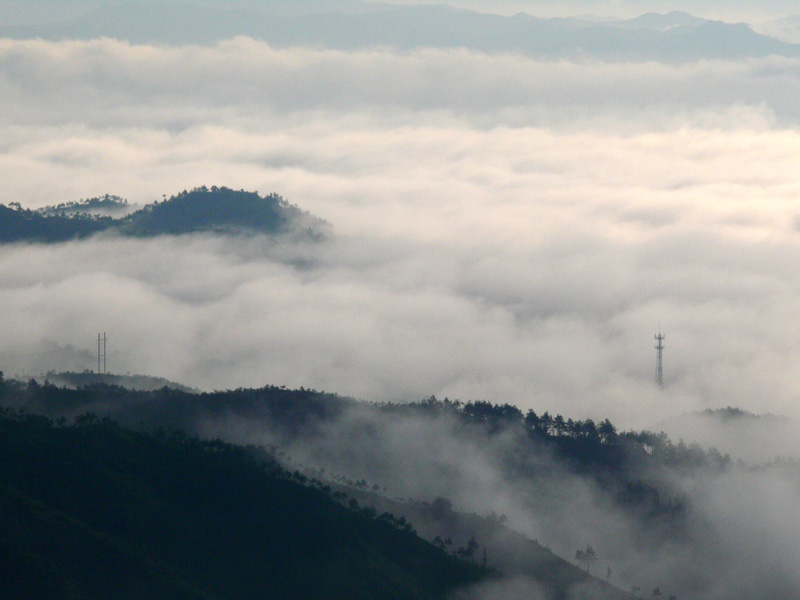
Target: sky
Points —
{"points": [[31, 12], [504, 228]]}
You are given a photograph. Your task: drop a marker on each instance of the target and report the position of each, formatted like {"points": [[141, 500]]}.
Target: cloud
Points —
{"points": [[506, 229], [103, 81], [518, 588], [734, 541]]}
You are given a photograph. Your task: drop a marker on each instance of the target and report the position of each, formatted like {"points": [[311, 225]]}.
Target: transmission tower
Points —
{"points": [[659, 355], [101, 353]]}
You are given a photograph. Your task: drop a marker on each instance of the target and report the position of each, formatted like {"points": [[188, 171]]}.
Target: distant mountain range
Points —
{"points": [[214, 210], [671, 37]]}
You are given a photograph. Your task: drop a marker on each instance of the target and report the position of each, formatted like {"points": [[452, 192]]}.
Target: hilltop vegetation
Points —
{"points": [[72, 379], [107, 205], [215, 210]]}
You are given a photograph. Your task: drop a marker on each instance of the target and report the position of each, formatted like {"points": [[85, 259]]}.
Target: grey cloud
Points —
{"points": [[90, 81], [370, 320]]}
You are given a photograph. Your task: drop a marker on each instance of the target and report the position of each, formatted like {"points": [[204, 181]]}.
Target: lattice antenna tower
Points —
{"points": [[659, 358], [101, 353]]}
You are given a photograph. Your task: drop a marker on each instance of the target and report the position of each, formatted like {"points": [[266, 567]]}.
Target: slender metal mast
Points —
{"points": [[101, 353], [659, 356]]}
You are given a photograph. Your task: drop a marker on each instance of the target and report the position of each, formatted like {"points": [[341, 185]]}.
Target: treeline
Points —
{"points": [[290, 412], [106, 203], [587, 443], [635, 468]]}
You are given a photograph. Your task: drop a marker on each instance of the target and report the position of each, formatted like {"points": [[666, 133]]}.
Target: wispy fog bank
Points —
{"points": [[732, 539]]}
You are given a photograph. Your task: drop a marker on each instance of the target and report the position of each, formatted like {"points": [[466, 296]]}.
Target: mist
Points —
{"points": [[516, 233], [502, 228], [732, 542]]}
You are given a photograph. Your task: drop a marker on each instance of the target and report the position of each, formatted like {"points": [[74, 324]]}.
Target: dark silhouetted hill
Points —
{"points": [[218, 210], [93, 510], [22, 225], [634, 469], [221, 210]]}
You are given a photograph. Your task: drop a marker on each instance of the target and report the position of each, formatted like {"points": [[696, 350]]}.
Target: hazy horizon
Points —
{"points": [[749, 11]]}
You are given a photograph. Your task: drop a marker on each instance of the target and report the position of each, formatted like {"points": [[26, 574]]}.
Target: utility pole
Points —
{"points": [[659, 355], [101, 353]]}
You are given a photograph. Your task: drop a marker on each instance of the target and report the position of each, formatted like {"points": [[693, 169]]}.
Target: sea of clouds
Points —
{"points": [[504, 228]]}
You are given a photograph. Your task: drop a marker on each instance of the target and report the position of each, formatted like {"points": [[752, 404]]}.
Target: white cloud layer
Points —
{"points": [[506, 229]]}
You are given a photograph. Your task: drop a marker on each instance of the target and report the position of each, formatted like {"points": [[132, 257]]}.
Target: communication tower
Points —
{"points": [[659, 356], [101, 353]]}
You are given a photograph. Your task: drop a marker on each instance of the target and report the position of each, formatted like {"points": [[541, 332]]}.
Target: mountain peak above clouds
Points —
{"points": [[661, 22], [218, 210]]}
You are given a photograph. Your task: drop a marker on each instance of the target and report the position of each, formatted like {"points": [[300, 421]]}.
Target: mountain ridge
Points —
{"points": [[670, 37]]}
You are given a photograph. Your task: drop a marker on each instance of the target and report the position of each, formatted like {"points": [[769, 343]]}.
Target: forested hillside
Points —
{"points": [[579, 480], [91, 510], [632, 465]]}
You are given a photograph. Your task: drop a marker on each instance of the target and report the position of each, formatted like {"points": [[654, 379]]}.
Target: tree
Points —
{"points": [[440, 508], [532, 421], [468, 552], [559, 424], [607, 431], [580, 557], [587, 557]]}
